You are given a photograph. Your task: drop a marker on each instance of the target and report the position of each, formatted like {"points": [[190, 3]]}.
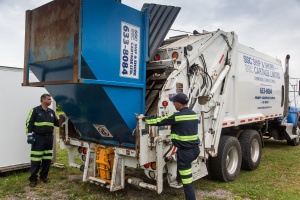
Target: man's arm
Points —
{"points": [[169, 119], [30, 121]]}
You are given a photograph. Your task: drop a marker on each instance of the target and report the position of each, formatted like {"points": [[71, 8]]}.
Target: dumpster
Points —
{"points": [[90, 56]]}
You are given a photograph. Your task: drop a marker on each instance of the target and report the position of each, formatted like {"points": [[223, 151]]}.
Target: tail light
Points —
{"points": [[153, 165], [175, 55], [157, 57], [147, 165], [164, 103]]}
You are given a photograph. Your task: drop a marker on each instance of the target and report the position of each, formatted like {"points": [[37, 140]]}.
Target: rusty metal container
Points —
{"points": [[90, 56]]}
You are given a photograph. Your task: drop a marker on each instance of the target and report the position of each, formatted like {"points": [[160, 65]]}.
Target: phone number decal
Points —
{"points": [[130, 51]]}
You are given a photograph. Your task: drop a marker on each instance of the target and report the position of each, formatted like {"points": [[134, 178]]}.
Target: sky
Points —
{"points": [[269, 26]]}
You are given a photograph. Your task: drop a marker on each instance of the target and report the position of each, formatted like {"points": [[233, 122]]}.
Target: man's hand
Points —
{"points": [[30, 138]]}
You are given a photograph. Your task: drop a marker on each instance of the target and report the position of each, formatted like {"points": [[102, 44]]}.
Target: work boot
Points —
{"points": [[32, 184], [45, 180]]}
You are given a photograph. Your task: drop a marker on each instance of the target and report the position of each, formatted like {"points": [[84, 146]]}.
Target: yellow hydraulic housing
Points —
{"points": [[105, 163]]}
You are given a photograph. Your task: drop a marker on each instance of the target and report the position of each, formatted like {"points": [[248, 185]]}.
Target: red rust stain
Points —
{"points": [[53, 27]]}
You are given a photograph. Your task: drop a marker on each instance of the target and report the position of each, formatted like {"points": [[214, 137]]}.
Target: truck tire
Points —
{"points": [[226, 165], [251, 145], [294, 142]]}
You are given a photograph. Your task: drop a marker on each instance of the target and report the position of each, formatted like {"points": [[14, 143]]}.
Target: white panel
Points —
{"points": [[15, 104], [260, 80]]}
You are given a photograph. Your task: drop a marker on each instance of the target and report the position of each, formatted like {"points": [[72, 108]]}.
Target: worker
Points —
{"points": [[184, 135], [39, 128]]}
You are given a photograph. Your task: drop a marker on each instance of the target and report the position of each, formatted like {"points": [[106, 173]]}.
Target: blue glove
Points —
{"points": [[30, 138]]}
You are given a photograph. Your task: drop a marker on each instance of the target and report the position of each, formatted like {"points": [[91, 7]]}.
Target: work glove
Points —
{"points": [[30, 138]]}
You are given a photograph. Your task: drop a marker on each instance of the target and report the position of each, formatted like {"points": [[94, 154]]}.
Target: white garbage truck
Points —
{"points": [[238, 93]]}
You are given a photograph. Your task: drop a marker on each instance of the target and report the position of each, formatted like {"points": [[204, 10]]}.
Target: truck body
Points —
{"points": [[105, 73]]}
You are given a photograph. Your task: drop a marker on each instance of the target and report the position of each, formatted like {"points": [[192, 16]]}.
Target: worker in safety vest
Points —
{"points": [[184, 135], [39, 128]]}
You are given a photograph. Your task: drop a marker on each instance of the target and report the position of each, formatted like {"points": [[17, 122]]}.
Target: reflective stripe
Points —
{"points": [[184, 138], [39, 153], [186, 117], [48, 151], [35, 159], [159, 119], [47, 157], [43, 124], [28, 119], [185, 172], [187, 180]]}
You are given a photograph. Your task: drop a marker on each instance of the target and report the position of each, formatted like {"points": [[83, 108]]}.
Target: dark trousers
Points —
{"points": [[184, 168], [41, 155]]}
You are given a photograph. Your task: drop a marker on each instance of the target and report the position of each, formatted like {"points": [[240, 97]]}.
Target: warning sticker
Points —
{"points": [[104, 132]]}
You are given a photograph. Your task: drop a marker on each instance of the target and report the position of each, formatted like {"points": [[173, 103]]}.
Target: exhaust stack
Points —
{"points": [[286, 86]]}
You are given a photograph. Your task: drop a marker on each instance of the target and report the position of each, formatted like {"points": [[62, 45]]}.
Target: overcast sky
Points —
{"points": [[269, 26]]}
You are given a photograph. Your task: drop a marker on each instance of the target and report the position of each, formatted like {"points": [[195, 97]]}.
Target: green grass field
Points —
{"points": [[276, 178]]}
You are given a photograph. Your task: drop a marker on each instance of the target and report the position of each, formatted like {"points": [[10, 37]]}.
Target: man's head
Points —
{"points": [[46, 100], [180, 100]]}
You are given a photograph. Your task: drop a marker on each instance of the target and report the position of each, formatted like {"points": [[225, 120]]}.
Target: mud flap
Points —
{"points": [[199, 169]]}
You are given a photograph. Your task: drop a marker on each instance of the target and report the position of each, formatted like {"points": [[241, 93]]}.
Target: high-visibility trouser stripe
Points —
{"points": [[186, 176], [187, 180], [43, 124], [27, 121], [159, 119], [184, 138], [48, 151], [185, 172], [186, 117], [47, 157], [36, 155], [39, 155], [35, 159]]}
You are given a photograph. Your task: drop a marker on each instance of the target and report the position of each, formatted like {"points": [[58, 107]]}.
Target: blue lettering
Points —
{"points": [[265, 90], [247, 60]]}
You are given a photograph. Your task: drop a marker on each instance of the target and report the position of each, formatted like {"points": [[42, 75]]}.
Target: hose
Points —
{"points": [[168, 151]]}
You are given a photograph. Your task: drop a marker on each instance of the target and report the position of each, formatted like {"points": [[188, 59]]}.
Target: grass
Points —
{"points": [[276, 178]]}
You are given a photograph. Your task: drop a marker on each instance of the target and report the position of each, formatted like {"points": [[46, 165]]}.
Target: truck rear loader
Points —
{"points": [[106, 64]]}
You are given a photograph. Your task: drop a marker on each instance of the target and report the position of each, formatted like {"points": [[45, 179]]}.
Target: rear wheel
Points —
{"points": [[251, 145], [294, 142], [226, 165]]}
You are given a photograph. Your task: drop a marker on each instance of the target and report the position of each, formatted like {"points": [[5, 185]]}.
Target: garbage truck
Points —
{"points": [[107, 64]]}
